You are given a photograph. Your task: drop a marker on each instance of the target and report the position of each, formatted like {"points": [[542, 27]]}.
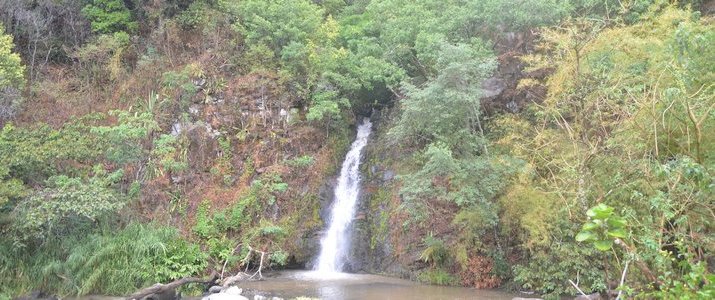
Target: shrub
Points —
{"points": [[109, 16], [107, 262], [11, 76], [437, 276]]}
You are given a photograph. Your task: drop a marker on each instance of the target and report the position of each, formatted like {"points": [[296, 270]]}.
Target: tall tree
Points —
{"points": [[12, 74]]}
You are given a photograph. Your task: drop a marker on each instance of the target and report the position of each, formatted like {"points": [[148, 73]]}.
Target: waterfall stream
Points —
{"points": [[334, 245]]}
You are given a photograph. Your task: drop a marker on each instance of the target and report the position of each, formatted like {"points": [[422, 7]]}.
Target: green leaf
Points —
{"points": [[588, 226], [585, 236], [603, 245], [618, 233], [616, 222], [590, 212], [600, 211]]}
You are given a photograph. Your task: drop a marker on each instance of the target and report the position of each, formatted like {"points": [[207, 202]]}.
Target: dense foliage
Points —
{"points": [[217, 117]]}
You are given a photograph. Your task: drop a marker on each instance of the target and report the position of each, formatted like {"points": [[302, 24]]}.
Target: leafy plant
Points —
{"points": [[109, 16], [167, 152], [437, 276], [435, 252], [12, 76], [603, 227], [64, 205], [301, 162], [122, 141]]}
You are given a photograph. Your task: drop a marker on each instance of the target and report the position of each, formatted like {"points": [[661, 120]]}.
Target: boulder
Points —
{"points": [[234, 290], [224, 296], [388, 175], [594, 296]]}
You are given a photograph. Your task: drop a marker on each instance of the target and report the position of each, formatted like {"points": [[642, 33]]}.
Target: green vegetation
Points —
{"points": [[11, 76], [12, 71], [110, 261], [109, 16], [220, 120]]}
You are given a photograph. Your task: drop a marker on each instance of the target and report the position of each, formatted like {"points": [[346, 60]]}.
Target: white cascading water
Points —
{"points": [[334, 245]]}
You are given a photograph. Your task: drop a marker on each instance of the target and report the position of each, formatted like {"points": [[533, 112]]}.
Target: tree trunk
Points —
{"points": [[163, 288]]}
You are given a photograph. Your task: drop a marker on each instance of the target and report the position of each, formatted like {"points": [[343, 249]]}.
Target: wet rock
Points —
{"points": [[293, 115], [199, 83], [493, 87], [37, 295], [388, 175], [215, 289], [177, 128], [234, 290], [224, 296], [194, 110], [594, 296]]}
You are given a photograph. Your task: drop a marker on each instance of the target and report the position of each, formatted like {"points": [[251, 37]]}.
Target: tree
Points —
{"points": [[623, 124], [65, 205], [447, 108], [280, 25], [109, 16], [11, 76]]}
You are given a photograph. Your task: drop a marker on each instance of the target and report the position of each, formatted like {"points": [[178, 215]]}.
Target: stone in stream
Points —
{"points": [[37, 295], [231, 293], [224, 296], [594, 296], [234, 290]]}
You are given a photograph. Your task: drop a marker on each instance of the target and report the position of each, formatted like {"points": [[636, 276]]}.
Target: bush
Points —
{"points": [[11, 77], [438, 277], [301, 162], [106, 262], [109, 16], [64, 206]]}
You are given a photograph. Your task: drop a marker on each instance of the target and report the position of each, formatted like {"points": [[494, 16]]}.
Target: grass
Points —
{"points": [[106, 262]]}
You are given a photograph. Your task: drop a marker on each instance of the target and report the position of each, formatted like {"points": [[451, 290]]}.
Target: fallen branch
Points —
{"points": [[163, 288], [623, 279], [226, 261], [244, 275], [578, 289], [640, 264]]}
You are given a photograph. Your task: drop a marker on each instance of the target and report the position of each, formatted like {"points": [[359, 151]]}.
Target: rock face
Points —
{"points": [[501, 92], [372, 249]]}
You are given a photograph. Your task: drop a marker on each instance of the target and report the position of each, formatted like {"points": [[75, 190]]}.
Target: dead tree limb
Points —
{"points": [[162, 288], [245, 261], [640, 264]]}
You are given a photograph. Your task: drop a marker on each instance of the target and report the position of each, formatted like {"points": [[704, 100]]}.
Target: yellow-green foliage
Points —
{"points": [[627, 121], [11, 68], [525, 207]]}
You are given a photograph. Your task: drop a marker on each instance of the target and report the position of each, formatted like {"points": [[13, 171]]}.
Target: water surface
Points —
{"points": [[291, 284]]}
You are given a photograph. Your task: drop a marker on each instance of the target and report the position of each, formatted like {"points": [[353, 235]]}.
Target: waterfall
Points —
{"points": [[334, 245]]}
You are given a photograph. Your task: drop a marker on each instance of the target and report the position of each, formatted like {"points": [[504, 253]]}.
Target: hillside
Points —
{"points": [[515, 145]]}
